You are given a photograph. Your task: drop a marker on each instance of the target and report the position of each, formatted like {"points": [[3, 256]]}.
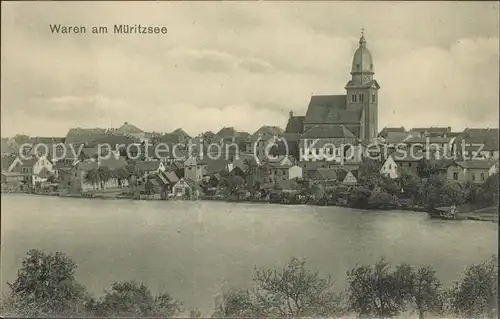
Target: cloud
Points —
{"points": [[244, 64]]}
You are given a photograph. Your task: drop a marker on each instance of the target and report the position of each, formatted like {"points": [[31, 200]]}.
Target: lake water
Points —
{"points": [[193, 249]]}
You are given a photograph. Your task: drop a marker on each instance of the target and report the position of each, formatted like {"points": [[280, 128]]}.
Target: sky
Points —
{"points": [[243, 64]]}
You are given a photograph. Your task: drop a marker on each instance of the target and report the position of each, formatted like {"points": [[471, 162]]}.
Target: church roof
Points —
{"points": [[295, 124], [331, 109], [338, 131]]}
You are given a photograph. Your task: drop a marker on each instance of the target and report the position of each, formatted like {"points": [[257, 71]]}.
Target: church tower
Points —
{"points": [[362, 90]]}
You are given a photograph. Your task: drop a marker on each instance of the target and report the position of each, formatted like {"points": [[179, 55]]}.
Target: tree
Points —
{"points": [[389, 185], [447, 194], [104, 175], [372, 291], [233, 184], [426, 168], [409, 184], [369, 167], [46, 286], [419, 290], [295, 291], [52, 178], [132, 299], [475, 294], [359, 197], [236, 303], [121, 174], [92, 177], [489, 191], [382, 200]]}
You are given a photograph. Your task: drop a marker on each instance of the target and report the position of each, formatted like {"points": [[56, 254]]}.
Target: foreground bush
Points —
{"points": [[131, 299], [45, 286], [475, 294], [293, 291]]}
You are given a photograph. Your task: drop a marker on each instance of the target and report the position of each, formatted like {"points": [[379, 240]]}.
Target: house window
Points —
{"points": [[389, 166], [409, 164], [455, 176], [357, 66], [373, 97], [353, 98], [482, 176], [473, 176], [361, 97]]}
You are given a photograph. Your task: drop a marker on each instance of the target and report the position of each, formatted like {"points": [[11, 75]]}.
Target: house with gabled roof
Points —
{"points": [[80, 135], [149, 167], [473, 171], [434, 146], [348, 178], [186, 187], [478, 143], [334, 145], [430, 131], [194, 169], [402, 160], [324, 175], [181, 135], [263, 139], [30, 169], [131, 130], [282, 169]]}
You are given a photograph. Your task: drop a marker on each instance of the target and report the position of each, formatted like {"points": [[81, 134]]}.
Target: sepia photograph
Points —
{"points": [[249, 159]]}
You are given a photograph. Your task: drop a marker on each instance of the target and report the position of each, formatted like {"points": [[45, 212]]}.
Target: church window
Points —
{"points": [[482, 176], [373, 97], [357, 66], [361, 97], [353, 98]]}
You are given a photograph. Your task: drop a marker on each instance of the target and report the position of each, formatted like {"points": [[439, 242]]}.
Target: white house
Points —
{"points": [[350, 179], [390, 168], [42, 169], [186, 187], [401, 160]]}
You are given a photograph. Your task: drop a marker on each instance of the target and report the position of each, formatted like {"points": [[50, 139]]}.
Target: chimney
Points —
{"points": [[291, 114]]}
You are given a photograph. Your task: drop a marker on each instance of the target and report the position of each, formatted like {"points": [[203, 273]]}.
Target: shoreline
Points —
{"points": [[465, 215]]}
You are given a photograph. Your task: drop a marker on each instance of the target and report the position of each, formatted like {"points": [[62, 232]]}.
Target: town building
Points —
{"points": [[473, 171], [400, 161], [477, 143], [128, 129]]}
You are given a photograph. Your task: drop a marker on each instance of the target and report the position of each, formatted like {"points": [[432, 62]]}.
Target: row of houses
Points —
{"points": [[296, 153]]}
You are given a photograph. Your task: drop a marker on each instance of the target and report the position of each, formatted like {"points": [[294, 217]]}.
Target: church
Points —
{"points": [[353, 115]]}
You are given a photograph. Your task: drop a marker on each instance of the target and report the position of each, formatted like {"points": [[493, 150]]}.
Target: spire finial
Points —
{"points": [[362, 41]]}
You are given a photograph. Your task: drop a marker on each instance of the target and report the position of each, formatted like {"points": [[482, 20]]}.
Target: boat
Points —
{"points": [[447, 213]]}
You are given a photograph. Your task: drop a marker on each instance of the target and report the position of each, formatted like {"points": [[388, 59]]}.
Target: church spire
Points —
{"points": [[362, 40]]}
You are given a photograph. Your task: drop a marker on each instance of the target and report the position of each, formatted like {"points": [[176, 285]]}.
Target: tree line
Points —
{"points": [[46, 286]]}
